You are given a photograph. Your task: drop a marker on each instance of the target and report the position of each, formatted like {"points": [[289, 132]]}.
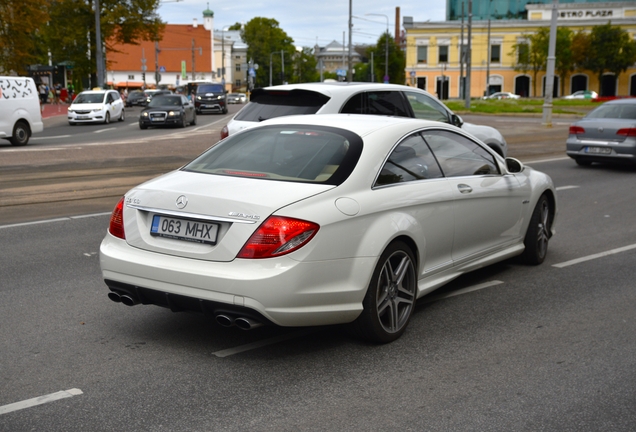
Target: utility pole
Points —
{"points": [[488, 54], [350, 65], [468, 53], [157, 76], [462, 84], [549, 77], [99, 55]]}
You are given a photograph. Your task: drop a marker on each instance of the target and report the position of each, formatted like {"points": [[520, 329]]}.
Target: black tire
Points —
{"points": [[194, 119], [21, 134], [390, 298], [72, 123], [538, 234], [582, 162], [142, 126], [107, 118], [182, 123], [122, 117]]}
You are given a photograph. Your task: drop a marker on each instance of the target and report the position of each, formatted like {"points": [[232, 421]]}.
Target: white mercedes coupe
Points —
{"points": [[325, 219]]}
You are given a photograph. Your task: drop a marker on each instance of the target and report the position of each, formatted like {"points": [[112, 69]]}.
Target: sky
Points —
{"points": [[312, 22]]}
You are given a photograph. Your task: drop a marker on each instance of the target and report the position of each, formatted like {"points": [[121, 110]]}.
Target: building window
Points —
{"points": [[422, 54], [237, 83], [523, 52], [443, 54], [495, 54], [463, 53], [238, 67], [131, 77]]}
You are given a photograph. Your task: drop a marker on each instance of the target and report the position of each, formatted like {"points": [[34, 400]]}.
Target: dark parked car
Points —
{"points": [[135, 97], [149, 94], [210, 98], [168, 110], [606, 134]]}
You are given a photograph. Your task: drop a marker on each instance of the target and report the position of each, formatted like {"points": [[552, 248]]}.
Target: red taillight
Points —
{"points": [[627, 132], [225, 132], [278, 236], [575, 130], [116, 227]]}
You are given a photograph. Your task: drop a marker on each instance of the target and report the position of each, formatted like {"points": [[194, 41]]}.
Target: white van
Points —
{"points": [[20, 114]]}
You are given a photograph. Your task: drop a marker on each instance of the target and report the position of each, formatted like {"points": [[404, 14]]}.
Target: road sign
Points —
{"points": [[162, 68], [251, 72]]}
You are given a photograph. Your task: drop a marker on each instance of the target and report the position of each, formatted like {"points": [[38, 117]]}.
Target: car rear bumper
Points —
{"points": [[601, 151], [279, 290]]}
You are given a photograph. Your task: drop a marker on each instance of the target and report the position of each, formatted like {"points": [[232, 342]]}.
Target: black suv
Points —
{"points": [[210, 97]]}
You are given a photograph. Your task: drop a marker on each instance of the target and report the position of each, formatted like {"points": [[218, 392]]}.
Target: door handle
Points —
{"points": [[464, 188]]}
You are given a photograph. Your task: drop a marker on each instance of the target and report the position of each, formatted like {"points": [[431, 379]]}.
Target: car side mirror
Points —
{"points": [[457, 120], [514, 165]]}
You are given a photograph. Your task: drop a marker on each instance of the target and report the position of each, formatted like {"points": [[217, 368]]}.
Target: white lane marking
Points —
{"points": [[39, 400], [259, 344], [560, 188], [104, 130], [463, 291], [197, 130], [591, 257], [54, 220], [52, 137]]}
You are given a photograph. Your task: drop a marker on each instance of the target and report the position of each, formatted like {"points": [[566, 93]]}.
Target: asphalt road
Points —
{"points": [[85, 169], [507, 348]]}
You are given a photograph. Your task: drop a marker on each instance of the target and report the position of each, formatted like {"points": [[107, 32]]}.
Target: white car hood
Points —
{"points": [[238, 205]]}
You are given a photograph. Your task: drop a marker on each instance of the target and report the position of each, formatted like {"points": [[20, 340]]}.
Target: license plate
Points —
{"points": [[184, 229], [157, 119], [82, 117], [598, 150]]}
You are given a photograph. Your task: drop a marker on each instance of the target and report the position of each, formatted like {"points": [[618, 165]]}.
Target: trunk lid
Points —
{"points": [[204, 216]]}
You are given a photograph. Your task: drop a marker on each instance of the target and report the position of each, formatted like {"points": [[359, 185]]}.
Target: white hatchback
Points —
{"points": [[354, 98], [96, 106]]}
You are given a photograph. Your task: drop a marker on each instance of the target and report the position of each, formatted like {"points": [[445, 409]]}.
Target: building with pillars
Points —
{"points": [[434, 49]]}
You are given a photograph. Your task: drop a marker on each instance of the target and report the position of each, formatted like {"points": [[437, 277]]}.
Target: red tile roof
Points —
{"points": [[175, 46]]}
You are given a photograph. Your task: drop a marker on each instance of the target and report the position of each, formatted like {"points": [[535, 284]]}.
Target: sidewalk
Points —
{"points": [[51, 110]]}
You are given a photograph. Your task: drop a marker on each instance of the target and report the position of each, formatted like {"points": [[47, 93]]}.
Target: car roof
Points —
{"points": [[96, 91], [361, 124], [628, 101], [335, 88]]}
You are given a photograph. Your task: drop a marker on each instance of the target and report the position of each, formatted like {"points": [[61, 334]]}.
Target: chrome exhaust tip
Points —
{"points": [[247, 323], [225, 320], [114, 297], [128, 300]]}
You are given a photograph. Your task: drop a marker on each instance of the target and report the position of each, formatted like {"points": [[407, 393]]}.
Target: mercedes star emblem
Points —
{"points": [[182, 201]]}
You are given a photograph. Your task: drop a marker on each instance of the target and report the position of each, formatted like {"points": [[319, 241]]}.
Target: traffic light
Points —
{"points": [[143, 76]]}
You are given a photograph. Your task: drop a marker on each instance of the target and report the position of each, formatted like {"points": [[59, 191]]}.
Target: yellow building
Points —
{"points": [[433, 52]]}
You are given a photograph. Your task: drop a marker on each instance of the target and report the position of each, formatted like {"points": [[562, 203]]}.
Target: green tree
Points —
{"points": [[305, 66], [265, 40], [121, 21], [20, 24], [397, 60], [611, 49]]}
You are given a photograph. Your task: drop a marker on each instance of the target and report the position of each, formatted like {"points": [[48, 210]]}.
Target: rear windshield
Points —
{"points": [[614, 111], [210, 88], [307, 154], [269, 104]]}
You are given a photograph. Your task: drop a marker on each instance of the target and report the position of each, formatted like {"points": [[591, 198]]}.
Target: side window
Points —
{"points": [[410, 160], [459, 156], [355, 105], [115, 96], [390, 103], [427, 108]]}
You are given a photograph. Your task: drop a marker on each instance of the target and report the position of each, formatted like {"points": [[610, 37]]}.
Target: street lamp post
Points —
{"points": [[386, 48], [223, 54]]}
